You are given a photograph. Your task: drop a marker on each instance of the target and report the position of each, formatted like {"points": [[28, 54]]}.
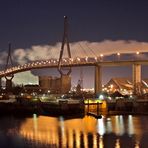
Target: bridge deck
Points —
{"points": [[68, 62]]}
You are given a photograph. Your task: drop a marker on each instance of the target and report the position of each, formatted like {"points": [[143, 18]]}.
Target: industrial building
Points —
{"points": [[45, 82], [124, 86], [55, 84]]}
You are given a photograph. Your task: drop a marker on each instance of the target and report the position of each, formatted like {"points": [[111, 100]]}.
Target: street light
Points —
{"points": [[101, 57], [118, 55], [96, 59], [137, 53]]}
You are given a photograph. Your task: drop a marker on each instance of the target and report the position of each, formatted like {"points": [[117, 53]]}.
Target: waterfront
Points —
{"points": [[84, 132]]}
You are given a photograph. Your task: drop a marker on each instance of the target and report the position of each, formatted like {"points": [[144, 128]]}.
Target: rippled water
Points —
{"points": [[86, 132]]}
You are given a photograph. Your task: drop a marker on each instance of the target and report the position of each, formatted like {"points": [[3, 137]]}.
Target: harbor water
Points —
{"points": [[74, 132]]}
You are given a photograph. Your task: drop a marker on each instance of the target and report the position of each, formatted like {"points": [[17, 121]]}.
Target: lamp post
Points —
{"points": [[137, 55], [118, 56], [101, 57]]}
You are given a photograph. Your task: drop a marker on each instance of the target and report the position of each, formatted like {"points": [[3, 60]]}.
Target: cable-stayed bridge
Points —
{"points": [[83, 60], [76, 62]]}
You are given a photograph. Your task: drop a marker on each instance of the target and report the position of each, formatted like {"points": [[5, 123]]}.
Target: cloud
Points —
{"points": [[78, 49], [3, 57], [25, 78], [20, 56]]}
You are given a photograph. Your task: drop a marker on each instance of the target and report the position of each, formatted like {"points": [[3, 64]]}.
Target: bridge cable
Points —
{"points": [[90, 49], [83, 49]]}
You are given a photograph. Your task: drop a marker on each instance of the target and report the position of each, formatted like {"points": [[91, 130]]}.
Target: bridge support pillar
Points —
{"points": [[98, 79], [137, 79]]}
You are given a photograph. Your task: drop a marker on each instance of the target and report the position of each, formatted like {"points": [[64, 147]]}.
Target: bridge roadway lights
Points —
{"points": [[137, 79], [98, 79]]}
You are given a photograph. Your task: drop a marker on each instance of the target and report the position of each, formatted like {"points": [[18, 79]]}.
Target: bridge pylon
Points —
{"points": [[137, 85], [65, 40], [9, 78], [98, 79], [65, 72]]}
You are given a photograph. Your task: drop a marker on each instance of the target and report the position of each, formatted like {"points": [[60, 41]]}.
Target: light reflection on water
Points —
{"points": [[87, 132]]}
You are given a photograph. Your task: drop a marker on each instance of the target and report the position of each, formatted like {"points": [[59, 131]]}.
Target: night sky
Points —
{"points": [[26, 23]]}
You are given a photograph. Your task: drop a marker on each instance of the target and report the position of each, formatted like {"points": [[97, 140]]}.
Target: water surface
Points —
{"points": [[86, 132]]}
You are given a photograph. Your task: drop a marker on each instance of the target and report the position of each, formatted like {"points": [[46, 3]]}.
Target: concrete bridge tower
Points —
{"points": [[65, 73], [9, 77], [137, 79], [98, 79]]}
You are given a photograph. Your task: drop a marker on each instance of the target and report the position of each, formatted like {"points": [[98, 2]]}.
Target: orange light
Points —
{"points": [[137, 52], [118, 53]]}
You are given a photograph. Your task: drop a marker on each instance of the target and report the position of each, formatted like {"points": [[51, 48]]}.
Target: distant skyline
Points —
{"points": [[35, 29]]}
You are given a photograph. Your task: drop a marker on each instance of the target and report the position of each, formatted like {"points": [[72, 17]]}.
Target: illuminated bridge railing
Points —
{"points": [[53, 63]]}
